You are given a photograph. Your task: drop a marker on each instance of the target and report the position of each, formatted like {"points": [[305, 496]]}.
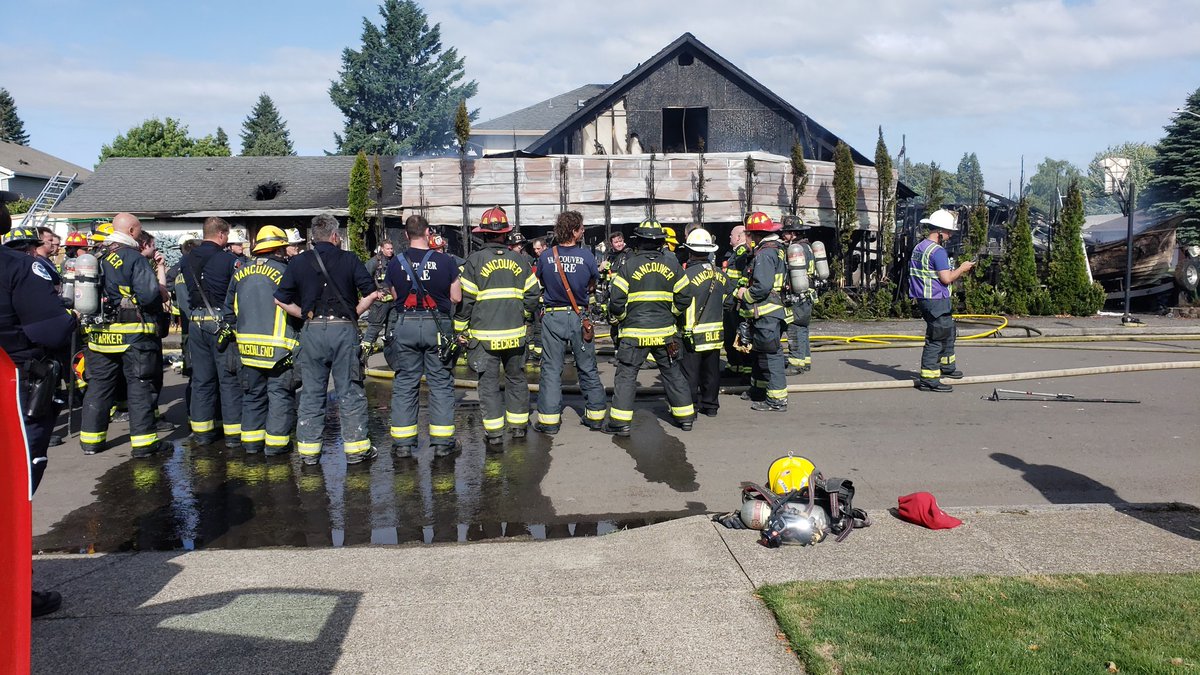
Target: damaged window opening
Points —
{"points": [[684, 129], [267, 191], [686, 59]]}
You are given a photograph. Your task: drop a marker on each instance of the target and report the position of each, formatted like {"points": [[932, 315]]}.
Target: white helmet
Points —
{"points": [[941, 220], [293, 236], [701, 241], [237, 235], [186, 237]]}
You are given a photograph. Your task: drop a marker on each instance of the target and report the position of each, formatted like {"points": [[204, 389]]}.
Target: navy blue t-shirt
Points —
{"points": [[580, 267], [435, 275], [304, 285]]}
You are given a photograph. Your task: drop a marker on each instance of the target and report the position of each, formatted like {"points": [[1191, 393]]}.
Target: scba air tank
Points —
{"points": [[821, 266], [68, 282], [87, 284], [797, 264]]}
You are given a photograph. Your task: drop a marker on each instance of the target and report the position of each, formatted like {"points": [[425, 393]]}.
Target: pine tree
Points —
{"points": [[970, 180], [358, 203], [845, 207], [400, 90], [1071, 292], [979, 295], [1175, 188], [12, 129], [264, 133], [1018, 274], [887, 205], [934, 196], [462, 134], [799, 177], [222, 140]]}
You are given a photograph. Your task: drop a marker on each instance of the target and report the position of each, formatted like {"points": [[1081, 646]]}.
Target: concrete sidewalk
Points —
{"points": [[675, 597]]}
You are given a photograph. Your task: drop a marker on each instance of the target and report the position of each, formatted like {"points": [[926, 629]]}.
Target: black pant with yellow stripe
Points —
{"points": [[630, 357], [141, 366], [937, 357]]}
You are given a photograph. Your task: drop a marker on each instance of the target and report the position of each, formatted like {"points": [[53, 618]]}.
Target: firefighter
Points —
{"points": [[703, 329], [929, 283], [207, 271], [649, 290], [499, 297], [237, 244], [735, 265], [381, 311], [563, 325], [124, 342], [760, 303], [426, 285], [800, 301], [322, 287], [266, 344], [296, 243]]}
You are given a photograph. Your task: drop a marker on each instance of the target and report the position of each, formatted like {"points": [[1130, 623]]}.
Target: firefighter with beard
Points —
{"points": [[649, 291], [760, 304], [499, 297], [266, 344]]}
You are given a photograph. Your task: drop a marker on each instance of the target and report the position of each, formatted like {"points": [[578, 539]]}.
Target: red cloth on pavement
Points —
{"points": [[921, 508]]}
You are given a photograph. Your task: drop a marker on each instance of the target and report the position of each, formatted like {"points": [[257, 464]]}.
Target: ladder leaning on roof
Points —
{"points": [[56, 188]]}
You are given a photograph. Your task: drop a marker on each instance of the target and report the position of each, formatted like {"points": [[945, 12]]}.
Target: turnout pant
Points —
{"points": [[629, 359], [268, 407], [411, 353], [739, 362], [140, 365], [703, 373], [562, 331], [799, 355], [214, 375], [329, 347], [768, 376], [937, 356], [513, 405], [378, 319]]}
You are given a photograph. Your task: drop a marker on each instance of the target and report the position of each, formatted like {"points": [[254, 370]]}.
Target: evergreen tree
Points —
{"points": [[799, 177], [845, 206], [887, 205], [12, 129], [979, 295], [1175, 187], [1071, 292], [358, 203], [1018, 274], [934, 195], [462, 134], [400, 91], [222, 141], [969, 179], [1051, 180], [264, 133], [161, 138]]}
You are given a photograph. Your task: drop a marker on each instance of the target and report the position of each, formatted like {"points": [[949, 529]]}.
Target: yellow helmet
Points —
{"points": [[269, 238], [788, 474], [672, 240], [100, 234]]}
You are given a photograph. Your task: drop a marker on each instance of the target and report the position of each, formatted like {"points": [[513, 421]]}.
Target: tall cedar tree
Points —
{"points": [[1175, 188], [934, 196], [161, 138], [979, 295], [264, 133], [1018, 275], [969, 179], [358, 202], [887, 205], [222, 141], [799, 177], [1071, 292], [845, 207], [399, 92], [462, 134], [12, 129]]}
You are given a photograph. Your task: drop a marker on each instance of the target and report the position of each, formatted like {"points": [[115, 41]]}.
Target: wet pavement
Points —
{"points": [[212, 497]]}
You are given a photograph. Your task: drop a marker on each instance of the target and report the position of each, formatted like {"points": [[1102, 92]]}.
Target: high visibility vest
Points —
{"points": [[499, 294], [265, 333], [649, 292], [131, 301], [703, 318]]}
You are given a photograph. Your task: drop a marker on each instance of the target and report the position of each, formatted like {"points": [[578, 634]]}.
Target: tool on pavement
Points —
{"points": [[1013, 395]]}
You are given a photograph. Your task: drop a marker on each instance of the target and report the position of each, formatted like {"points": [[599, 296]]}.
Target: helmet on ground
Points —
{"points": [[237, 235], [941, 220], [792, 223], [796, 523], [672, 240], [293, 236], [701, 241], [76, 239], [22, 235], [755, 513], [760, 222], [788, 474], [101, 233], [269, 238], [493, 221], [650, 229]]}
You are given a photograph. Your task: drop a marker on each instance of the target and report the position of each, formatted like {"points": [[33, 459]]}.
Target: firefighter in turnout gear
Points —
{"points": [[649, 291], [499, 297], [736, 262], [124, 342], [929, 282], [760, 303], [380, 315], [800, 301], [207, 271], [266, 346], [703, 325]]}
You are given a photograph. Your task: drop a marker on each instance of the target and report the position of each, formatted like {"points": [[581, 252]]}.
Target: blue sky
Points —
{"points": [[1038, 78]]}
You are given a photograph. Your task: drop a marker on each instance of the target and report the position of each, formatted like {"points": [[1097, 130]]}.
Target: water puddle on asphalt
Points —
{"points": [[216, 498]]}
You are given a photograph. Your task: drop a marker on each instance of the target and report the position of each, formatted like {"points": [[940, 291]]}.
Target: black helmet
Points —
{"points": [[650, 229], [792, 223]]}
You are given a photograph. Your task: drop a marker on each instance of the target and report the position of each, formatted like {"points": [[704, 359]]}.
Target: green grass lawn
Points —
{"points": [[1042, 624]]}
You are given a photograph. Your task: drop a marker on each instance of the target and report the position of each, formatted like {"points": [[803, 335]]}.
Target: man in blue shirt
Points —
{"points": [[425, 285], [562, 325], [929, 282]]}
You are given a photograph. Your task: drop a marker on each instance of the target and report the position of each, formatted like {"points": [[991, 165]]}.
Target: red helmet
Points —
{"points": [[494, 221], [760, 222], [437, 242], [76, 239]]}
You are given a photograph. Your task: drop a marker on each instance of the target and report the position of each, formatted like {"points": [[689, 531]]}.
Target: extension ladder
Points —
{"points": [[51, 195]]}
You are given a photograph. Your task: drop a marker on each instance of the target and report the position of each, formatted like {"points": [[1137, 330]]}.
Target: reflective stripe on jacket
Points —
{"points": [[132, 300], [265, 333], [704, 321], [649, 291], [499, 296]]}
